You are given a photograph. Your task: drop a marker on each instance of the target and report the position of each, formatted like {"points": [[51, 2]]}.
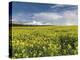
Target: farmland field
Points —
{"points": [[40, 41]]}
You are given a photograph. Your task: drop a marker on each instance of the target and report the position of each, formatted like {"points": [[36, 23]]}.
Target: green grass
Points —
{"points": [[40, 41]]}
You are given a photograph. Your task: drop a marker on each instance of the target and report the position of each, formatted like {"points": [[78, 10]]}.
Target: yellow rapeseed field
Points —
{"points": [[41, 41]]}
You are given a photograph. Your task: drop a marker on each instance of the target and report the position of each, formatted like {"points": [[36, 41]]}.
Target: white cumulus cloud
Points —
{"points": [[56, 6], [47, 16]]}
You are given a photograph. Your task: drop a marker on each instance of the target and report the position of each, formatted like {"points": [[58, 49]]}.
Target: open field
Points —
{"points": [[40, 41]]}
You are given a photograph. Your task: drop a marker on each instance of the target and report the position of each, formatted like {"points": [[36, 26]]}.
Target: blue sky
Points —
{"points": [[44, 14]]}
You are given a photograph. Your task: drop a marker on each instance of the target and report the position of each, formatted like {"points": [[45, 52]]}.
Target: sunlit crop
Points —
{"points": [[41, 41]]}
